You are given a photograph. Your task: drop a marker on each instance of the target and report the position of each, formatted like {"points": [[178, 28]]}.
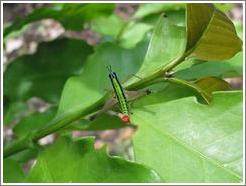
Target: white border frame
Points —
{"points": [[2, 2]]}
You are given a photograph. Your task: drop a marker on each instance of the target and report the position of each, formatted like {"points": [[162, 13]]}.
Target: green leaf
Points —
{"points": [[103, 122], [12, 172], [26, 155], [192, 142], [175, 16], [204, 86], [44, 73], [106, 122], [84, 165], [91, 86], [229, 68], [211, 34], [170, 91], [34, 122], [156, 8], [103, 25], [239, 28], [211, 84], [86, 93], [225, 7], [166, 46], [72, 16], [133, 34], [127, 34]]}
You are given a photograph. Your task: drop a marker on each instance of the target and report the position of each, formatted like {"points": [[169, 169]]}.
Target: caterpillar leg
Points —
{"points": [[107, 106], [132, 95]]}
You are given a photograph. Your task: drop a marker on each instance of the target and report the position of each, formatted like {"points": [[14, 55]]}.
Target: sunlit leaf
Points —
{"points": [[192, 142], [167, 45]]}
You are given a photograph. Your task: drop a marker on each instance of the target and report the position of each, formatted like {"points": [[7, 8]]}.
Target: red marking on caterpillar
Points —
{"points": [[125, 118]]}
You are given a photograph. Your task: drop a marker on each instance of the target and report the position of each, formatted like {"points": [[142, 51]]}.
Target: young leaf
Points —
{"points": [[44, 73], [83, 164], [192, 142], [211, 34]]}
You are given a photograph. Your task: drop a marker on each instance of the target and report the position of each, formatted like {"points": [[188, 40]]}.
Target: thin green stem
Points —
{"points": [[159, 74], [55, 125], [17, 146], [61, 122]]}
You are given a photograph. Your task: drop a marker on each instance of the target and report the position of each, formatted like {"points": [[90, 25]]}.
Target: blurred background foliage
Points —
{"points": [[50, 41]]}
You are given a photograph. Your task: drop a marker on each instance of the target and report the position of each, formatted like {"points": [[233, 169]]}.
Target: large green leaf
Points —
{"points": [[199, 69], [82, 163], [12, 172], [44, 73], [185, 141], [71, 15], [211, 34], [167, 45]]}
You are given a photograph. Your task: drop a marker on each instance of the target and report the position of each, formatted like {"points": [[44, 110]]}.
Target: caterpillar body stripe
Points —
{"points": [[120, 95]]}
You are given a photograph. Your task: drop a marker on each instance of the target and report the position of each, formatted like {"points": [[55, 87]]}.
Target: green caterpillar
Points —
{"points": [[118, 90]]}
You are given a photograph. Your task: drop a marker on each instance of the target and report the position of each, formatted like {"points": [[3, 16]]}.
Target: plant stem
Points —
{"points": [[16, 146], [159, 74], [60, 122], [55, 125]]}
